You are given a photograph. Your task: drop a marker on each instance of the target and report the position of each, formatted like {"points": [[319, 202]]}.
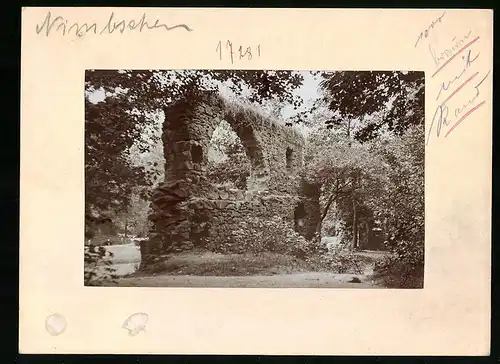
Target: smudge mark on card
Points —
{"points": [[55, 324], [136, 323]]}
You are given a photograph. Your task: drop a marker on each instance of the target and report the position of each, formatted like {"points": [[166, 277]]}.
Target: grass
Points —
{"points": [[202, 263], [205, 263]]}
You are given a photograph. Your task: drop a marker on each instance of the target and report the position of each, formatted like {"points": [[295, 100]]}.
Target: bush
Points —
{"points": [[341, 260], [403, 269], [329, 226], [257, 234], [95, 260]]}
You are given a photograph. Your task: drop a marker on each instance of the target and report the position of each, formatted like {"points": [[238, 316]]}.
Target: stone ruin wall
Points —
{"points": [[188, 211]]}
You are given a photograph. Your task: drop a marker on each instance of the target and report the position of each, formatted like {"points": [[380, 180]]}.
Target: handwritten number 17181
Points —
{"points": [[232, 53]]}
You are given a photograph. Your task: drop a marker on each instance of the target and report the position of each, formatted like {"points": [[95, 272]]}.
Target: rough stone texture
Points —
{"points": [[188, 211]]}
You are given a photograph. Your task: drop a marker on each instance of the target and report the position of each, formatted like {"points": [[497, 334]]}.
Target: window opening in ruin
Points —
{"points": [[300, 216], [289, 158], [196, 154], [228, 162]]}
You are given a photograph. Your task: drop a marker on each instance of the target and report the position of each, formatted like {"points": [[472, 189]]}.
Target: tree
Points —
{"points": [[403, 208], [363, 107], [383, 180], [342, 169], [149, 90], [376, 99], [109, 174]]}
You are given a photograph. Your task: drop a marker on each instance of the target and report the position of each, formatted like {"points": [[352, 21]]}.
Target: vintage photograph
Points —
{"points": [[254, 178]]}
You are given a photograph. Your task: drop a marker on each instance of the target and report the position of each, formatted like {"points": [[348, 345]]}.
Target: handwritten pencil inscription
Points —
{"points": [[232, 52], [59, 25], [460, 83], [425, 33]]}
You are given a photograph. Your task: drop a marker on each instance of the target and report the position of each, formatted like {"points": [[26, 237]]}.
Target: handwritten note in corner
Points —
{"points": [[53, 24], [460, 78]]}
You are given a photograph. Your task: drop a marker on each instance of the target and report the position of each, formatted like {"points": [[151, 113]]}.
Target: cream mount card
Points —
{"points": [[312, 243]]}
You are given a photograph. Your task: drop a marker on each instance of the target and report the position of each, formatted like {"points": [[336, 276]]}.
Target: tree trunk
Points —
{"points": [[126, 228], [354, 225], [358, 240], [332, 198], [366, 241], [385, 232]]}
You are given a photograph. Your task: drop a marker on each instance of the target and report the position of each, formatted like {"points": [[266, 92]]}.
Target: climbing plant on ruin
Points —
{"points": [[192, 210]]}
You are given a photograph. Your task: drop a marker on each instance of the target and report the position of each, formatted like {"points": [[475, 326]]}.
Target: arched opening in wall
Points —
{"points": [[289, 159], [300, 217], [259, 172], [228, 162]]}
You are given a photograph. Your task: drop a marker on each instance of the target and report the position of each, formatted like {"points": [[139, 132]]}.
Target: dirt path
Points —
{"points": [[193, 268], [297, 280]]}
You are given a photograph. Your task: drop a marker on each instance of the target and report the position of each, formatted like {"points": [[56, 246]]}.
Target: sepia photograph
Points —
{"points": [[254, 178]]}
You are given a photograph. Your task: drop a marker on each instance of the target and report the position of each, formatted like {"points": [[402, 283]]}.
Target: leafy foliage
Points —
{"points": [[345, 170], [342, 260], [98, 265], [149, 90], [384, 180], [134, 222], [403, 209], [109, 175], [258, 234], [230, 164], [356, 95]]}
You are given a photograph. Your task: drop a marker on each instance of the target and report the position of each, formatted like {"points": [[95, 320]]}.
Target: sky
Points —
{"points": [[308, 92]]}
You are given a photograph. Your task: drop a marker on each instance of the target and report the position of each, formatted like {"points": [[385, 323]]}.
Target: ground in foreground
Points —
{"points": [[295, 280], [264, 270]]}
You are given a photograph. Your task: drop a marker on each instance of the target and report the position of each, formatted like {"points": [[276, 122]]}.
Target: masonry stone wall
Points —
{"points": [[188, 211]]}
